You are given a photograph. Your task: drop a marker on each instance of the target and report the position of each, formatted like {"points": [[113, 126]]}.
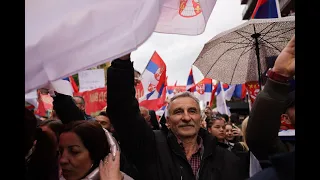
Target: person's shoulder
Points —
{"points": [[268, 173], [238, 147], [228, 155]]}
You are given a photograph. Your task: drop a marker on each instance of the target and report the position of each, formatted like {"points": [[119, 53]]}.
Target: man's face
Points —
{"points": [[79, 103], [104, 121], [184, 117]]}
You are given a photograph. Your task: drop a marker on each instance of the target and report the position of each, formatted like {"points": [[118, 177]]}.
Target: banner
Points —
{"points": [[45, 105], [95, 100], [178, 89], [91, 79]]}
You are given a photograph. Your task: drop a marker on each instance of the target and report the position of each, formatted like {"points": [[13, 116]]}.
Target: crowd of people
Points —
{"points": [[126, 141]]}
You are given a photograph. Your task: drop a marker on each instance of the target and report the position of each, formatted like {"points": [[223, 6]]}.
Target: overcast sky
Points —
{"points": [[179, 51]]}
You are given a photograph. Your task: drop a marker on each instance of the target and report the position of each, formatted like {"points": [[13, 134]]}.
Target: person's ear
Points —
{"points": [[168, 124]]}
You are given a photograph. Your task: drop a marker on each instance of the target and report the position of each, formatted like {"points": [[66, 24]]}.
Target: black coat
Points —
{"points": [[157, 154]]}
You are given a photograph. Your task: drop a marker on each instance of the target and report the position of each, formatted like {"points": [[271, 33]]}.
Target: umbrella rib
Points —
{"points": [[277, 30], [271, 24], [271, 45], [234, 42], [240, 47], [244, 36], [281, 34], [274, 37], [244, 32], [234, 69], [227, 51], [262, 44], [226, 41], [219, 58], [269, 31]]}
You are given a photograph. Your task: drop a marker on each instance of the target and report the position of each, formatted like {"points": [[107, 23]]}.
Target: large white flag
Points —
{"points": [[188, 17], [63, 37]]}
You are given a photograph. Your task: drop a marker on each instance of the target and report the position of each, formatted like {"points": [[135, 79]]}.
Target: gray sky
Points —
{"points": [[180, 51]]}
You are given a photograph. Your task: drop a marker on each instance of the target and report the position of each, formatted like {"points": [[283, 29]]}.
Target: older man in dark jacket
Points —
{"points": [[184, 152]]}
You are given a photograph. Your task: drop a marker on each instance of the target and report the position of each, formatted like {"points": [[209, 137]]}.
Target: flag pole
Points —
{"points": [[278, 8], [224, 99]]}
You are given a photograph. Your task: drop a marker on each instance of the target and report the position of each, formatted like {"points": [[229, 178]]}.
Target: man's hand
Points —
{"points": [[285, 63]]}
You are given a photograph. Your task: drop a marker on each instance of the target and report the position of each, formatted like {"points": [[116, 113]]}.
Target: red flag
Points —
{"points": [[73, 84], [253, 89], [45, 105]]}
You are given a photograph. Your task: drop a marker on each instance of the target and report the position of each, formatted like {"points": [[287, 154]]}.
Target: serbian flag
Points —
{"points": [[190, 82], [73, 84], [224, 92], [240, 91], [213, 92], [187, 17], [253, 88], [266, 9], [155, 104], [172, 90], [161, 111], [204, 90], [151, 75]]}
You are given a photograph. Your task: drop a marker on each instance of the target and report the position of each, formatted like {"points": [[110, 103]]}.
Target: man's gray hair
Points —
{"points": [[180, 95]]}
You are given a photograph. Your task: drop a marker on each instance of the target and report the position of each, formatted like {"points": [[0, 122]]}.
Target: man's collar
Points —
{"points": [[199, 143]]}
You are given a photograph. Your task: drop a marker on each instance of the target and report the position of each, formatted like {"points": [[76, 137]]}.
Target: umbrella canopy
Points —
{"points": [[238, 55]]}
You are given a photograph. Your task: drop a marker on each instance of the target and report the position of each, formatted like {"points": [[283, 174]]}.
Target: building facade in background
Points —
{"points": [[287, 8]]}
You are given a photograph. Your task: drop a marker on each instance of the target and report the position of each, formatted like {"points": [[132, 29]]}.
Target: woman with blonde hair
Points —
{"points": [[242, 146]]}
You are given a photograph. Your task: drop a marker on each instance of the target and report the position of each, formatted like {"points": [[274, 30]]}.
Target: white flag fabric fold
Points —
{"points": [[32, 98], [64, 37], [187, 17]]}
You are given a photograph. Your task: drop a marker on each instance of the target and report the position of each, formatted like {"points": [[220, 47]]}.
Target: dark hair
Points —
{"points": [[55, 125], [103, 113], [234, 118], [42, 162], [93, 138], [30, 125], [225, 116], [212, 120]]}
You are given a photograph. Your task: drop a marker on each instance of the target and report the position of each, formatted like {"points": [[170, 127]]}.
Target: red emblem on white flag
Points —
{"points": [[200, 88], [189, 8]]}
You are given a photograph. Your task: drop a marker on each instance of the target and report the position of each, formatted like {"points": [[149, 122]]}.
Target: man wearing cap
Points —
{"points": [[275, 103]]}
